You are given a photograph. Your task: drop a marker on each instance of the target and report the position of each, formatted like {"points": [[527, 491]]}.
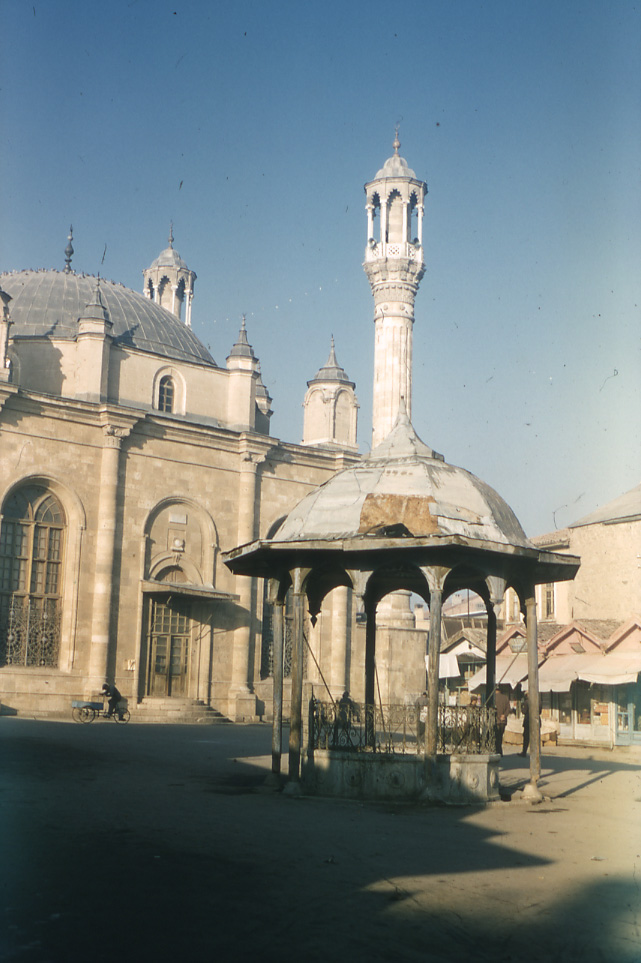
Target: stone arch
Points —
{"points": [[164, 292], [179, 406], [344, 417], [317, 427], [396, 212], [181, 531]]}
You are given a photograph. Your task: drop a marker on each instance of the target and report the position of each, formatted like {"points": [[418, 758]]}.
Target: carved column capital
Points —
{"points": [[114, 436]]}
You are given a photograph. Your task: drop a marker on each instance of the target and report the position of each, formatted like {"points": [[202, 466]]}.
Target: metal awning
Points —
{"points": [[508, 671], [183, 589], [559, 672], [448, 667], [611, 668]]}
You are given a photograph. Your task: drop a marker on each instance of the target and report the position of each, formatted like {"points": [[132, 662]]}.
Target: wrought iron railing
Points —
{"points": [[348, 726], [29, 631]]}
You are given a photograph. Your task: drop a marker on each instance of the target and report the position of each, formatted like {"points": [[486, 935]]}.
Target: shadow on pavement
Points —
{"points": [[160, 847]]}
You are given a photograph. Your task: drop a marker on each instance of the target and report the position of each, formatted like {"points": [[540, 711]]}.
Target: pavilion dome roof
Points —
{"points": [[395, 166], [403, 488], [169, 258], [47, 304]]}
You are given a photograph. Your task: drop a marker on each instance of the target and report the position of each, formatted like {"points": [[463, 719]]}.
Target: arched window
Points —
{"points": [[166, 394], [31, 555]]}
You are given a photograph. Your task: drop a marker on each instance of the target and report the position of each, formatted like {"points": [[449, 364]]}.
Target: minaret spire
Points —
{"points": [[394, 266]]}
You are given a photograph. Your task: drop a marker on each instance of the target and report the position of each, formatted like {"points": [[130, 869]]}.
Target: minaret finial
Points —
{"points": [[171, 234], [396, 145], [243, 326], [69, 251]]}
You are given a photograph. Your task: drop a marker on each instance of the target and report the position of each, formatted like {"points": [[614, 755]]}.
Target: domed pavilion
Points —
{"points": [[402, 518]]}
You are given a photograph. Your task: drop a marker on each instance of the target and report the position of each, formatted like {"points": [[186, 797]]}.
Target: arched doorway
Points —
{"points": [[168, 641]]}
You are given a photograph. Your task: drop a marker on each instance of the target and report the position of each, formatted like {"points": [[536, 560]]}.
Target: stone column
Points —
{"points": [[277, 658], [242, 700], [531, 791], [370, 670], [101, 619], [490, 663], [370, 221], [431, 727], [296, 703], [338, 676]]}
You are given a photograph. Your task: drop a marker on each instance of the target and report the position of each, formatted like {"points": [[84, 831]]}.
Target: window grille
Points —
{"points": [[31, 556]]}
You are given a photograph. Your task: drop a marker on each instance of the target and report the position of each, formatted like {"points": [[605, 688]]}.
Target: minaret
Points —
{"points": [[330, 407], [169, 282], [394, 266]]}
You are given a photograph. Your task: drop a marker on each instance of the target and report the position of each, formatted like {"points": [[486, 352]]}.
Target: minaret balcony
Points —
{"points": [[412, 252]]}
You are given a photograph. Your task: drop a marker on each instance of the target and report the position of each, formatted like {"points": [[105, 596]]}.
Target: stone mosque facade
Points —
{"points": [[132, 460]]}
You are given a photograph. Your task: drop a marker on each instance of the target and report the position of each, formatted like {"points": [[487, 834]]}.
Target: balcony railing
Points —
{"points": [[413, 252], [348, 726]]}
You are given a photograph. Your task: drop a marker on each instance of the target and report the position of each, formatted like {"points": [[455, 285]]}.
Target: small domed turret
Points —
{"points": [[330, 407], [169, 282]]}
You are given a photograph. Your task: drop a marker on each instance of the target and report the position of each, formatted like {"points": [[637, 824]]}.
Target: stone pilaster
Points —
{"points": [[101, 620]]}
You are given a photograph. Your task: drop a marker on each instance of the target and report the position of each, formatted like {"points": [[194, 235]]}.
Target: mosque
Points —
{"points": [[131, 459], [134, 464]]}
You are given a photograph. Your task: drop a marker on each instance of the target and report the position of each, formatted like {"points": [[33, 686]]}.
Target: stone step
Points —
{"points": [[176, 711], [149, 718]]}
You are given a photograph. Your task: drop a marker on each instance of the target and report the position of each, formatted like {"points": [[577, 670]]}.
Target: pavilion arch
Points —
{"points": [[74, 527]]}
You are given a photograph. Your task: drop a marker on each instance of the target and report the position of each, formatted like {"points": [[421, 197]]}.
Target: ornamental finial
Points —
{"points": [[397, 142], [69, 251], [171, 234]]}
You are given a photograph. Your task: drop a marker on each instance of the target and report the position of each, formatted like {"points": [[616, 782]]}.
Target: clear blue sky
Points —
{"points": [[254, 125]]}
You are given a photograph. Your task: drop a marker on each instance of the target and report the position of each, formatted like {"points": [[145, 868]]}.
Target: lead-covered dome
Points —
{"points": [[47, 304], [403, 488], [169, 258], [395, 166]]}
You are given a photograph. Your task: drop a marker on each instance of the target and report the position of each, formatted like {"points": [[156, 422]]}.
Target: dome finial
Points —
{"points": [[69, 251], [396, 145], [332, 354], [171, 234]]}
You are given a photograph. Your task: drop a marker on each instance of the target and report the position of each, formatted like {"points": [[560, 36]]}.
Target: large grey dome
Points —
{"points": [[403, 488], [49, 303]]}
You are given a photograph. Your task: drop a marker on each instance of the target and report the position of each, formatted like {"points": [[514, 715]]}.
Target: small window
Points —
{"points": [[166, 394]]}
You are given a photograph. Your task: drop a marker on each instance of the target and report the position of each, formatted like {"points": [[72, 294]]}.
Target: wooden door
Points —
{"points": [[169, 638]]}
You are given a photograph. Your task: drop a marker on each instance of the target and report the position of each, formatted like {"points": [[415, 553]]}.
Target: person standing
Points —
{"points": [[525, 712], [502, 706]]}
